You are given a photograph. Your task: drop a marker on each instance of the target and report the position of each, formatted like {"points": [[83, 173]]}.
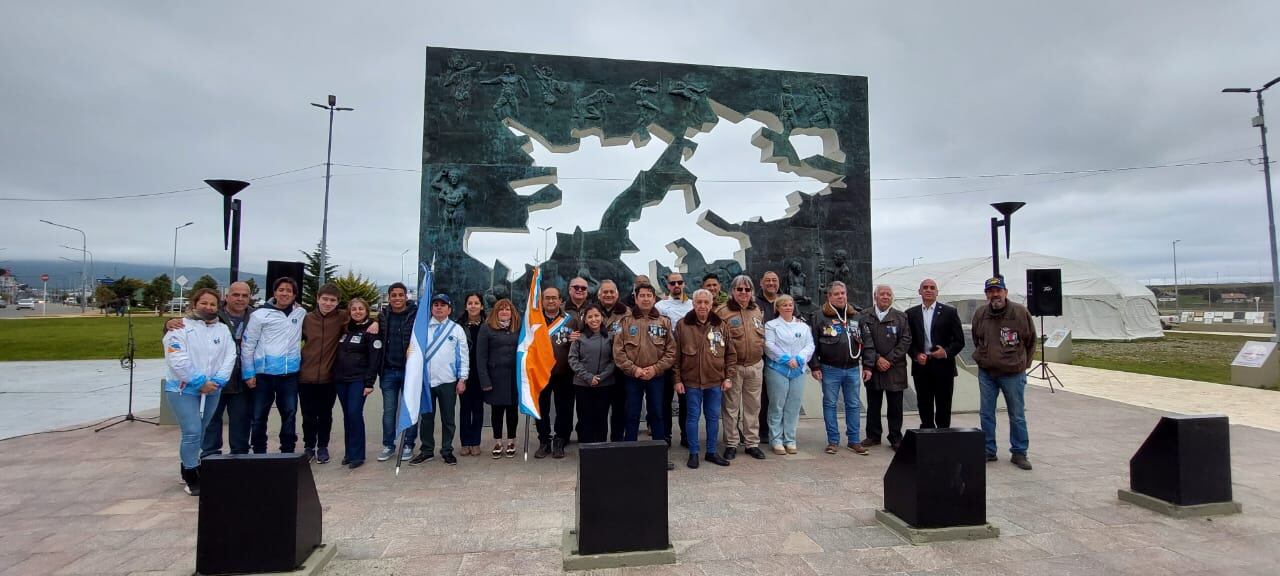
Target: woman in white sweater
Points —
{"points": [[199, 358], [788, 344]]}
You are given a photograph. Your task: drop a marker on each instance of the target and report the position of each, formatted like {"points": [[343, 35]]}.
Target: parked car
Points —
{"points": [[27, 303], [70, 301], [177, 304], [3, 305]]}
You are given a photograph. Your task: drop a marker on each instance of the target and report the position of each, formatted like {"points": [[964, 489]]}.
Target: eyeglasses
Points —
{"points": [[675, 282], [577, 288], [742, 289]]}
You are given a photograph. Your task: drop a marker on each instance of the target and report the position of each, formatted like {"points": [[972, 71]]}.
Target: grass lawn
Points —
{"points": [[1202, 357], [81, 338]]}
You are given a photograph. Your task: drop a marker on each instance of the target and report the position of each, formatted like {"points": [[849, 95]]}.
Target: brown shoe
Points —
{"points": [[857, 448], [832, 449]]}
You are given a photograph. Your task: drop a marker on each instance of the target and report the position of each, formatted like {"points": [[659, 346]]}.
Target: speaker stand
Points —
{"points": [[126, 362], [1046, 373]]}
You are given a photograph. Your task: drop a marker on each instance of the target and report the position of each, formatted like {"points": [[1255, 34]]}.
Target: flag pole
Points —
{"points": [[526, 437], [400, 449]]}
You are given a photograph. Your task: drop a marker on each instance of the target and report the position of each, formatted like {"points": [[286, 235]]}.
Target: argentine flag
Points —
{"points": [[415, 397]]}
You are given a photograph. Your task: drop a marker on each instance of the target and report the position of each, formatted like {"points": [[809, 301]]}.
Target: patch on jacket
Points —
{"points": [[657, 330], [377, 344], [1008, 336], [635, 330], [757, 322], [735, 322]]}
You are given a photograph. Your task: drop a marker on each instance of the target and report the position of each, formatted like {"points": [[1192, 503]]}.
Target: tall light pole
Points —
{"points": [[545, 257], [913, 260], [174, 279], [1260, 122], [406, 251], [1177, 303], [328, 166], [84, 250]]}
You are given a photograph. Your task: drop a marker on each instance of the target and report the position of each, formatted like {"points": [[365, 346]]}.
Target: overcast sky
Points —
{"points": [[122, 98]]}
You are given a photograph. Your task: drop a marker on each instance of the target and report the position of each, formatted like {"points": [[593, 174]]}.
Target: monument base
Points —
{"points": [[919, 536], [574, 561], [313, 565], [1175, 511]]}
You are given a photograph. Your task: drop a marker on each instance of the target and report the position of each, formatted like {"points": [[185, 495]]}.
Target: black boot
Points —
{"points": [[557, 448], [192, 477], [544, 449]]}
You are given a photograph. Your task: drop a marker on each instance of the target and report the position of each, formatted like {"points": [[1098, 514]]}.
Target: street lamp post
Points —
{"points": [[1177, 302], [406, 251], [83, 252], [545, 256], [328, 166], [1260, 122], [84, 249], [174, 278], [917, 258]]}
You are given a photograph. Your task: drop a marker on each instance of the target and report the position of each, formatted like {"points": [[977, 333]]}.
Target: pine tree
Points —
{"points": [[353, 286], [310, 275]]}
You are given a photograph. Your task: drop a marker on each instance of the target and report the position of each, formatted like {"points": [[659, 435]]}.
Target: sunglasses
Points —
{"points": [[742, 289], [577, 287], [675, 282]]}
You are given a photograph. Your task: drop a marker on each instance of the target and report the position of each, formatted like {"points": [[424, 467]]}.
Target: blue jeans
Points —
{"points": [[391, 382], [239, 410], [186, 408], [837, 381], [1014, 387], [351, 398], [707, 402], [281, 390], [785, 395], [641, 391]]}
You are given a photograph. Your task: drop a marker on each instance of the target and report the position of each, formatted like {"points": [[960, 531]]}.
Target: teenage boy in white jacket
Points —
{"points": [[270, 357]]}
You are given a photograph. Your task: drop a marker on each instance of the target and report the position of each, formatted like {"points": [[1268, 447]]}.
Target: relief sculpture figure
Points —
{"points": [[508, 104]]}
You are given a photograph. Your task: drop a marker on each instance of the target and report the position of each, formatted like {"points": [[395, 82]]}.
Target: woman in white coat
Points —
{"points": [[199, 358], [788, 345]]}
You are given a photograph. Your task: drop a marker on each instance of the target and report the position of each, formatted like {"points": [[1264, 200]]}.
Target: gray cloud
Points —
{"points": [[130, 98]]}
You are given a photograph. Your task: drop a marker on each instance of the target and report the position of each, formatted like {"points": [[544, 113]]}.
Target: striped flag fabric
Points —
{"points": [[415, 397], [534, 355]]}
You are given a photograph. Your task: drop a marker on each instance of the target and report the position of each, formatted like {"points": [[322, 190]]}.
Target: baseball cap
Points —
{"points": [[994, 282], [442, 297]]}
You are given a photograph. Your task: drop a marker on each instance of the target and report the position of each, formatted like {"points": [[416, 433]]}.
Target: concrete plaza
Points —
{"points": [[110, 503]]}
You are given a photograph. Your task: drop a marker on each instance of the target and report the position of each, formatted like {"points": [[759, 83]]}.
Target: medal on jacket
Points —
{"points": [[713, 336]]}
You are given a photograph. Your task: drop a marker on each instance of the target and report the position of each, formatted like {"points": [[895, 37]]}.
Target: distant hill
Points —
{"points": [[64, 275]]}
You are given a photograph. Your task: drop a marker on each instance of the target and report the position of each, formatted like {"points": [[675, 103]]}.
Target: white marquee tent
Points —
{"points": [[1097, 303]]}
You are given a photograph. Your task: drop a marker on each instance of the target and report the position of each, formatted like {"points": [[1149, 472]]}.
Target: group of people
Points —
{"points": [[737, 360]]}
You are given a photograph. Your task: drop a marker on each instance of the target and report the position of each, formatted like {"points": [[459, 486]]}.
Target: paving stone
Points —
{"points": [[779, 516]]}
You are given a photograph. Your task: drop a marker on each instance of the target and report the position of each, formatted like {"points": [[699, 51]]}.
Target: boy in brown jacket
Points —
{"points": [[704, 371]]}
